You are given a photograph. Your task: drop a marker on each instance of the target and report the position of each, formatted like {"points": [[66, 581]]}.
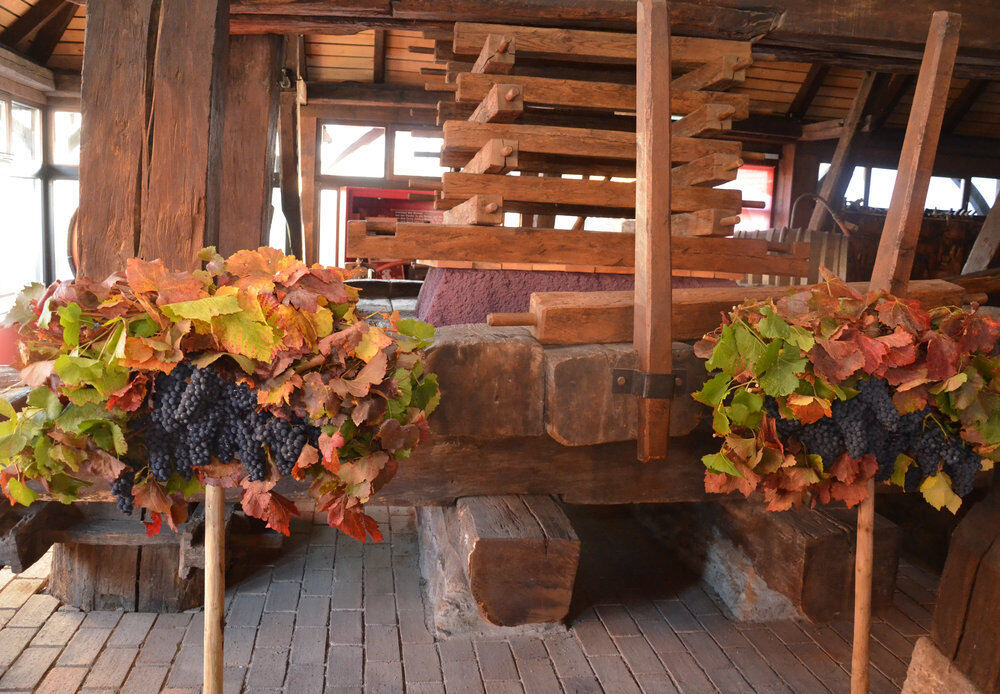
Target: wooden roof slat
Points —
{"points": [[962, 104], [807, 90]]}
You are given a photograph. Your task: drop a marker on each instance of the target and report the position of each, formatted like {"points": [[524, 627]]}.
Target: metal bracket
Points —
{"points": [[646, 385]]}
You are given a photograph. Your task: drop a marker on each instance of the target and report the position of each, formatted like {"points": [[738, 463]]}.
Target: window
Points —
{"points": [[66, 138], [65, 198], [26, 135], [882, 183], [757, 185], [352, 150], [983, 194], [855, 187], [417, 154], [331, 248], [945, 194]]}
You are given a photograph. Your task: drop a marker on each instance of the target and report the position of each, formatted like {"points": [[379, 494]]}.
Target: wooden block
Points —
{"points": [[710, 170], [502, 104], [578, 192], [547, 91], [463, 139], [521, 556], [721, 73], [497, 55], [496, 156], [708, 120], [593, 46], [24, 532], [510, 403], [477, 210], [703, 223], [582, 317], [515, 244], [580, 407]]}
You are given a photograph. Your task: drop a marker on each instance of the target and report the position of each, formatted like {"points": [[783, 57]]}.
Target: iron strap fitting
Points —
{"points": [[647, 385]]}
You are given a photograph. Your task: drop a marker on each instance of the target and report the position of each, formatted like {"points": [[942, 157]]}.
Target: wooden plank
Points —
{"points": [[986, 243], [378, 57], [566, 191], [721, 74], [906, 211], [47, 38], [546, 91], [495, 157], [35, 16], [115, 111], [503, 104], [592, 46], [462, 140], [180, 201], [962, 104], [497, 55], [288, 134], [838, 175], [248, 142], [886, 99], [655, 198], [479, 210], [520, 555], [562, 246], [603, 317]]}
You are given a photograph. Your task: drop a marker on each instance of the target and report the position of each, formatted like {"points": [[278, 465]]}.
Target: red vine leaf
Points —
{"points": [[153, 526], [219, 474], [836, 360], [130, 396], [307, 458], [942, 357], [104, 465], [151, 495]]}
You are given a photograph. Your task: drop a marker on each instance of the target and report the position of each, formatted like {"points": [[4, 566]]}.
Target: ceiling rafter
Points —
{"points": [[34, 17], [965, 100], [48, 35], [807, 91], [888, 95]]}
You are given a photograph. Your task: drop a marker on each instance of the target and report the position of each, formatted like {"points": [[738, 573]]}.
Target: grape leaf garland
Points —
{"points": [[254, 368], [825, 388]]}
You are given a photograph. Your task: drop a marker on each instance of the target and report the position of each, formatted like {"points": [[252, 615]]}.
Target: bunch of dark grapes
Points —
{"points": [[196, 415], [871, 424], [122, 489]]}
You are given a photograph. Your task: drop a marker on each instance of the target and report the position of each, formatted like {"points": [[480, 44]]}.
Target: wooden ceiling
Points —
{"points": [[812, 92]]}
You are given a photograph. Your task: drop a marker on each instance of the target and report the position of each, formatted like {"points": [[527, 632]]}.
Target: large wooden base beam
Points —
{"points": [[520, 556]]}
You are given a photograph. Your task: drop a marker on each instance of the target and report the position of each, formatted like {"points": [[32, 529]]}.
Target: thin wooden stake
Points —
{"points": [[864, 557], [215, 587]]}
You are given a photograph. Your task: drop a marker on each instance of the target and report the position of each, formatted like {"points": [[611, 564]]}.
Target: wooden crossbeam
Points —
{"points": [[497, 55], [497, 156], [965, 100], [567, 318], [457, 187], [546, 91], [711, 170], [807, 90], [502, 104], [478, 210], [35, 16], [885, 100], [462, 140], [48, 36], [987, 241], [369, 239], [378, 56], [592, 46]]}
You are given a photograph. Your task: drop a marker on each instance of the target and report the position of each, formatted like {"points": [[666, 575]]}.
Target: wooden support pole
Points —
{"points": [[893, 265], [985, 246], [652, 336], [839, 175], [215, 587]]}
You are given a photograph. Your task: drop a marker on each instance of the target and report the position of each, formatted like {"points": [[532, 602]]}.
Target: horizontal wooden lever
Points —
{"points": [[508, 319]]}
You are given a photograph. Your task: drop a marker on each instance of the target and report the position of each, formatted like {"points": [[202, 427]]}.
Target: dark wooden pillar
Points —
{"points": [[248, 142], [180, 206], [114, 103]]}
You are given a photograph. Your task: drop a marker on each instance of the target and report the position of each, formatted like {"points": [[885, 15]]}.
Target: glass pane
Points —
{"points": [[856, 186], [4, 117], [65, 198], [988, 188], [882, 183], [757, 184], [416, 155], [352, 150], [278, 233], [944, 194], [329, 251], [21, 231], [26, 145], [66, 138]]}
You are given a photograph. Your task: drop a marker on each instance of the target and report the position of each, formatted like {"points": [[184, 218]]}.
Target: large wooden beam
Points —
{"points": [[180, 206], [654, 201], [906, 211], [839, 174], [987, 241], [962, 104], [49, 35], [248, 142], [288, 143], [308, 168], [35, 16], [115, 112], [885, 100]]}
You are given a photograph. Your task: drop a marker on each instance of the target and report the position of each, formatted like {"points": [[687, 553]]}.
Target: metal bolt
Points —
{"points": [[621, 380]]}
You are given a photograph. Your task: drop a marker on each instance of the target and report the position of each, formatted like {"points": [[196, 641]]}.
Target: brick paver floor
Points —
{"points": [[335, 616]]}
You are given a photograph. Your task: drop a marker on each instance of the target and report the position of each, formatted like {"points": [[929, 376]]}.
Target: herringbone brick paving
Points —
{"points": [[335, 616]]}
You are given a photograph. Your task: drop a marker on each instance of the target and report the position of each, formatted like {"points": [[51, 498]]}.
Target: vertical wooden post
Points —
{"points": [[215, 587], [288, 133], [652, 336], [308, 155], [985, 246], [893, 265]]}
